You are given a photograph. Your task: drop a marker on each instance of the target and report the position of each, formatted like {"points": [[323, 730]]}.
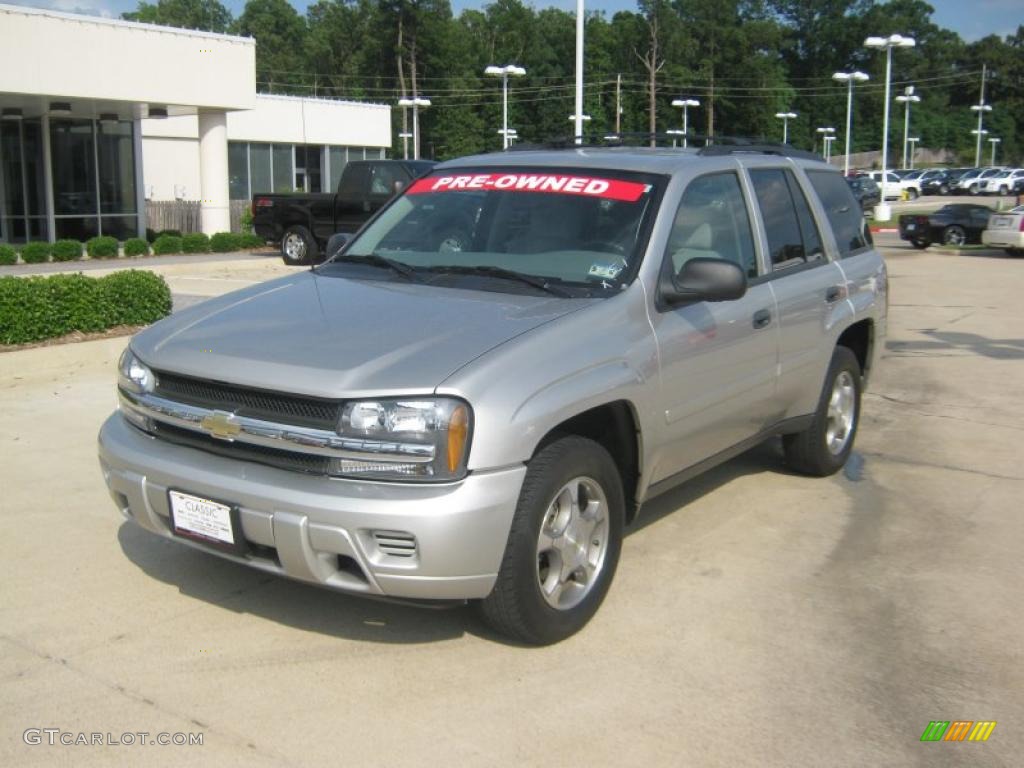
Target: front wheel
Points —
{"points": [[823, 448], [1004, 190], [912, 194], [564, 544], [954, 235], [298, 246], [943, 189], [920, 244]]}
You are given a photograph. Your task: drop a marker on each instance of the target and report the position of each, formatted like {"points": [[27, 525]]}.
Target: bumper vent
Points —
{"points": [[395, 543]]}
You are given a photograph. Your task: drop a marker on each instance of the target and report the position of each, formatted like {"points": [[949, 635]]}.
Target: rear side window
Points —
{"points": [[843, 211], [792, 234]]}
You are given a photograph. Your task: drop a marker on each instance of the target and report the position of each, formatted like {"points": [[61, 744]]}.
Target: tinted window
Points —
{"points": [[844, 214], [713, 222], [792, 235]]}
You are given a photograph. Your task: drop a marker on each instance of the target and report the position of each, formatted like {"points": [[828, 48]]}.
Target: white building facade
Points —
{"points": [[98, 113]]}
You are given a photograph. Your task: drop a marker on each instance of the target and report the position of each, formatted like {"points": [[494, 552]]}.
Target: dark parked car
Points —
{"points": [[953, 224], [937, 181], [302, 223], [865, 190]]}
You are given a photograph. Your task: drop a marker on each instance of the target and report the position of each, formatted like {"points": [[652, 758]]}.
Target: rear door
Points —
{"points": [[718, 359], [352, 203]]}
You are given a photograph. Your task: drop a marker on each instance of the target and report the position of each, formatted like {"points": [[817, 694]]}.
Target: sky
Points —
{"points": [[972, 20]]}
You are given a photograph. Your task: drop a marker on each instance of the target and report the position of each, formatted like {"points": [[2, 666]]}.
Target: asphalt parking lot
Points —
{"points": [[758, 618]]}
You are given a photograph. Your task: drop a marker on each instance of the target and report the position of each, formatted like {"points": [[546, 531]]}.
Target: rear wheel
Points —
{"points": [[825, 445], [954, 235], [920, 244], [298, 246], [943, 189], [563, 546]]}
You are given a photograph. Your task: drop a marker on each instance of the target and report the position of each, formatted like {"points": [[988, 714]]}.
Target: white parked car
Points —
{"points": [[1003, 183], [972, 181], [1006, 231], [891, 188], [910, 182]]}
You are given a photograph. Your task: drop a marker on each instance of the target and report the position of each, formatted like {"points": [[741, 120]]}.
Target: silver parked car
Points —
{"points": [[475, 396]]}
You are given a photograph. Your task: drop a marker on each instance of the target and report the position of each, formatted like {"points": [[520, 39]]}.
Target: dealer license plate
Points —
{"points": [[1001, 221], [911, 227], [202, 519]]}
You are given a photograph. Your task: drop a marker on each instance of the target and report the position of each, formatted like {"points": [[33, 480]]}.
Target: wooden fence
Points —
{"points": [[183, 215]]}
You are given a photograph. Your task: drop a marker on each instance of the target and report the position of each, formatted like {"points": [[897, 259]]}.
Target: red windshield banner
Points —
{"points": [[585, 186]]}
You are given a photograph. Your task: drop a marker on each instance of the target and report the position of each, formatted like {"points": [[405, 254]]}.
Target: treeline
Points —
{"points": [[744, 60]]}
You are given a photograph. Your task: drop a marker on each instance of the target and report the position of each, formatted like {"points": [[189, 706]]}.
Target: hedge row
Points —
{"points": [[167, 242], [36, 308]]}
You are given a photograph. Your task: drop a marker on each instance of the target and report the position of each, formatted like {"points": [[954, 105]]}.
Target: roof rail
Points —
{"points": [[713, 145]]}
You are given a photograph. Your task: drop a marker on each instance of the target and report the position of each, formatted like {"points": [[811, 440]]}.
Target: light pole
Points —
{"points": [[907, 99], [673, 132], [685, 104], [785, 117], [913, 147], [578, 120], [882, 211], [993, 141], [849, 78], [415, 103], [825, 132], [828, 148], [578, 106], [981, 109], [509, 135], [405, 136], [509, 70]]}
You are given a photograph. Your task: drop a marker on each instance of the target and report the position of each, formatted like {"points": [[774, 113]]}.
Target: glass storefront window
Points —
{"points": [[116, 167], [259, 168], [77, 227], [283, 171], [14, 191], [238, 170], [32, 131], [74, 167], [121, 227]]}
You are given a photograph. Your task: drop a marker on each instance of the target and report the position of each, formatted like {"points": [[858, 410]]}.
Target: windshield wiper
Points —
{"points": [[376, 260], [539, 283]]}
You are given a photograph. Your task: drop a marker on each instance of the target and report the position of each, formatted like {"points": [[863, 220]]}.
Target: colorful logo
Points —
{"points": [[958, 730]]}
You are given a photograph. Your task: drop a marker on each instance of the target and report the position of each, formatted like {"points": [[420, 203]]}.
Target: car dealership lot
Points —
{"points": [[757, 618]]}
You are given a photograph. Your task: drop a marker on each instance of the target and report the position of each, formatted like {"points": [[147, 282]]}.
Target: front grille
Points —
{"points": [[297, 410], [291, 460]]}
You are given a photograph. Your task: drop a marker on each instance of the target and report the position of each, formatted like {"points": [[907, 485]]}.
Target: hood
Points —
{"points": [[334, 337]]}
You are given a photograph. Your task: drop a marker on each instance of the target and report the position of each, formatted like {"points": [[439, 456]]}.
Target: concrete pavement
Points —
{"points": [[758, 618]]}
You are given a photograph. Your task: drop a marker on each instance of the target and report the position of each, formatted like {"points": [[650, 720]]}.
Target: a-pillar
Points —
{"points": [[214, 208]]}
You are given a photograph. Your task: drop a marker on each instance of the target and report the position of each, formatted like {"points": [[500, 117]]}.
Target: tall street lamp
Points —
{"points": [[828, 148], [824, 132], [509, 70], [981, 109], [509, 136], [882, 210], [907, 99], [685, 104], [415, 103], [849, 78], [405, 136], [578, 106], [785, 117], [993, 141], [913, 146]]}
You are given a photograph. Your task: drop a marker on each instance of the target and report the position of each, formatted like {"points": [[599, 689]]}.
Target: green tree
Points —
{"points": [[280, 34], [207, 15]]}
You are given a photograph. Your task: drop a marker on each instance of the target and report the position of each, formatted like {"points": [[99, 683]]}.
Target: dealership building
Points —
{"points": [[100, 117]]}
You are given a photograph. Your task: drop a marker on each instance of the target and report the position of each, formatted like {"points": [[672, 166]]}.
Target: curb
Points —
{"points": [[884, 230]]}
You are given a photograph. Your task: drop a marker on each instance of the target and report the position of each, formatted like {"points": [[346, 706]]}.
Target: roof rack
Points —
{"points": [[713, 145]]}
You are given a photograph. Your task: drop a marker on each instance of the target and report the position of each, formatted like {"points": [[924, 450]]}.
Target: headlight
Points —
{"points": [[434, 433], [133, 375]]}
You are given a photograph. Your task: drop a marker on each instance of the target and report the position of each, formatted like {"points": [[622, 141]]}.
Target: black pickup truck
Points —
{"points": [[302, 223]]}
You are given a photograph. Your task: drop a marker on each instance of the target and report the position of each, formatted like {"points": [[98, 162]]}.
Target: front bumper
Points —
{"points": [[325, 530]]}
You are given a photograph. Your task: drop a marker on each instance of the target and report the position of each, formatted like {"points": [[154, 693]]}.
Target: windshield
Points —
{"points": [[581, 230]]}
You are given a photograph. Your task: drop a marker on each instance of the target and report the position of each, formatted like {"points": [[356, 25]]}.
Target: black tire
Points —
{"points": [[1004, 190], [292, 253], [943, 189], [516, 607], [920, 244], [974, 189], [912, 194], [1014, 251], [954, 234], [808, 451]]}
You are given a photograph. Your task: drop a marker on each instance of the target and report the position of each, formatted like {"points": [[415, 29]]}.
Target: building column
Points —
{"points": [[214, 208], [140, 181], [51, 222]]}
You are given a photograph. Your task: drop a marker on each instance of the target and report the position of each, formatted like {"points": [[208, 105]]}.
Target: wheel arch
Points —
{"points": [[859, 338]]}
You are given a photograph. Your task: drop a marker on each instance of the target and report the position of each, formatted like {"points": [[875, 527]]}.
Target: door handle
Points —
{"points": [[762, 318], [834, 293]]}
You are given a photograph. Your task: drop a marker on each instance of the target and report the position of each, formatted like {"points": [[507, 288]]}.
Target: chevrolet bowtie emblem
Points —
{"points": [[221, 425]]}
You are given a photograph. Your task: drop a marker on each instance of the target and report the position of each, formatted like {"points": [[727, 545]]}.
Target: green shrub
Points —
{"points": [[67, 250], [35, 253], [8, 255], [35, 308], [246, 222], [250, 240], [167, 244], [171, 232], [224, 242], [136, 246], [103, 247], [195, 242]]}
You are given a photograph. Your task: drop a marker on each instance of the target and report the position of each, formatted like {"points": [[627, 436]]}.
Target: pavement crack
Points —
{"points": [[937, 465]]}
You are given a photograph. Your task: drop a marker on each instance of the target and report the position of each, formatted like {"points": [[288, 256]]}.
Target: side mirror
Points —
{"points": [[336, 242], [704, 279]]}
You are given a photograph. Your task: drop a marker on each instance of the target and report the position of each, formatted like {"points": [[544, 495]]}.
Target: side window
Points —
{"points": [[843, 211], [386, 180], [355, 181], [713, 222], [792, 234]]}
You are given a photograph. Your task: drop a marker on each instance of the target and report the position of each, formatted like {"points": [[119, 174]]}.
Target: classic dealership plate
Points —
{"points": [[204, 520]]}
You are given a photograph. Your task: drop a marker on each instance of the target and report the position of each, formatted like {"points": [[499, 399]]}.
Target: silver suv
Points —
{"points": [[473, 398]]}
